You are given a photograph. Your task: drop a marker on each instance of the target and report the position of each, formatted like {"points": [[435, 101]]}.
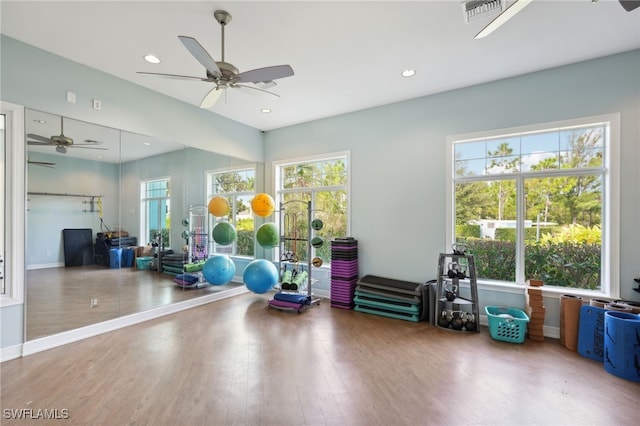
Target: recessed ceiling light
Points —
{"points": [[147, 143], [408, 73], [152, 59], [40, 121], [265, 110]]}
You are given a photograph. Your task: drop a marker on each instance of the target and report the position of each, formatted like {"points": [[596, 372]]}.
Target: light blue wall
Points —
{"points": [[398, 158], [48, 215]]}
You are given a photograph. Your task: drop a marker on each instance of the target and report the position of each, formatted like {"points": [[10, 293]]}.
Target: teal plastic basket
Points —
{"points": [[507, 324]]}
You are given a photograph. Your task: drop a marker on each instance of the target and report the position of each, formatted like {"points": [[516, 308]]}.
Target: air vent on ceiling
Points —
{"points": [[479, 9]]}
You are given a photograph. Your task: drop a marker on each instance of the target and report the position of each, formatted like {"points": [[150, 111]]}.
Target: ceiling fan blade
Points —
{"points": [[630, 5], [211, 98], [201, 55], [173, 76], [35, 143], [265, 74], [40, 139], [499, 20], [42, 163], [242, 86]]}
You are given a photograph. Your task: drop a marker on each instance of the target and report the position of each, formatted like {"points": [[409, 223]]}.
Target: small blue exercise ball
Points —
{"points": [[260, 276], [218, 269]]}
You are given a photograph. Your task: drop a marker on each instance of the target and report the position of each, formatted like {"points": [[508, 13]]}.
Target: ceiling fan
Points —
{"points": [[61, 142], [516, 7], [223, 74]]}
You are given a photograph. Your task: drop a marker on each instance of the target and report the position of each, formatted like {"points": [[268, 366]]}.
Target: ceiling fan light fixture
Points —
{"points": [[408, 73], [61, 149], [151, 58]]}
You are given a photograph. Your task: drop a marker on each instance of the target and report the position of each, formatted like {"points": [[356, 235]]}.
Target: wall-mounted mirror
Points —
{"points": [[103, 205]]}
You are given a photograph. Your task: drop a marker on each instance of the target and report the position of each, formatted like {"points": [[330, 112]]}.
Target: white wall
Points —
{"points": [[398, 158]]}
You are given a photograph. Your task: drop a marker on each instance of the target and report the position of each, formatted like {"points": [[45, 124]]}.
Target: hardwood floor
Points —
{"points": [[59, 299], [237, 362]]}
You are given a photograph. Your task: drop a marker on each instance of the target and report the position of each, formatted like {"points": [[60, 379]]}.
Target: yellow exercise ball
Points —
{"points": [[263, 205], [219, 206]]}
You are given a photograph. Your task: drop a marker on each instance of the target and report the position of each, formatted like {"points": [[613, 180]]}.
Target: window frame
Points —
{"points": [[610, 281], [15, 209], [144, 213], [209, 176], [277, 166]]}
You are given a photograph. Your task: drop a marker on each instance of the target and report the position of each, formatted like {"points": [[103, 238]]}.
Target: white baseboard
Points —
{"points": [[45, 265], [548, 331], [49, 342], [11, 352]]}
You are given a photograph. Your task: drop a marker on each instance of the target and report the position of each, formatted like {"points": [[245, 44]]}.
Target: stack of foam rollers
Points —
{"points": [[344, 272]]}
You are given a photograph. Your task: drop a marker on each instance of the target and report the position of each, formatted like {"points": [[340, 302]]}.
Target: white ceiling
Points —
{"points": [[347, 56]]}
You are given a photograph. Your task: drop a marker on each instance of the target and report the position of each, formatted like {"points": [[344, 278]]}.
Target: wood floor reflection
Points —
{"points": [[59, 299]]}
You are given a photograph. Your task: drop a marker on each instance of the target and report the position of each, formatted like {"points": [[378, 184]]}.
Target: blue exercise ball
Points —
{"points": [[218, 269], [260, 276]]}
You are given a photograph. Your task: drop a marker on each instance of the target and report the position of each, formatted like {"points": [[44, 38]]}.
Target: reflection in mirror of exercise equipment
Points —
{"points": [[60, 298]]}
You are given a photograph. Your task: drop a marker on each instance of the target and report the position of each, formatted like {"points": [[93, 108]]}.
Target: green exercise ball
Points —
{"points": [[224, 233], [267, 235]]}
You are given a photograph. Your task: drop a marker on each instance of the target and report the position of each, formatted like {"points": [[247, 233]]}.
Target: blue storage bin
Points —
{"points": [[115, 258], [127, 258]]}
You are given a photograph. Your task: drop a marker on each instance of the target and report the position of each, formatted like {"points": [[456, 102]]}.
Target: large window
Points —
{"points": [[324, 181], [155, 212], [537, 203], [238, 187]]}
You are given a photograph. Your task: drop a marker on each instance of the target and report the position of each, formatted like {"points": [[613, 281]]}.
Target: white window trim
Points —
{"points": [[611, 191], [15, 161], [277, 164], [144, 218], [208, 196]]}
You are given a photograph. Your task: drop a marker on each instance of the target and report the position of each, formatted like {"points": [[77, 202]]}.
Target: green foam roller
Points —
{"points": [[194, 267]]}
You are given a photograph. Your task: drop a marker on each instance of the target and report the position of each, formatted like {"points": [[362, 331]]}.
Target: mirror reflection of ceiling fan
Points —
{"points": [[61, 142], [41, 163], [515, 7], [223, 74]]}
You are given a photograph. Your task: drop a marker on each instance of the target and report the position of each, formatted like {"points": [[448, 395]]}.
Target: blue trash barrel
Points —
{"points": [[115, 258], [127, 258], [622, 345]]}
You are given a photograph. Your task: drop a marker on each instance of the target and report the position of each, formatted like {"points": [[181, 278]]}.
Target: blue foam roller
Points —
{"points": [[622, 345]]}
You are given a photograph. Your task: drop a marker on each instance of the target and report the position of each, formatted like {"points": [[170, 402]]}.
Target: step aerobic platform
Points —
{"points": [[389, 297]]}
